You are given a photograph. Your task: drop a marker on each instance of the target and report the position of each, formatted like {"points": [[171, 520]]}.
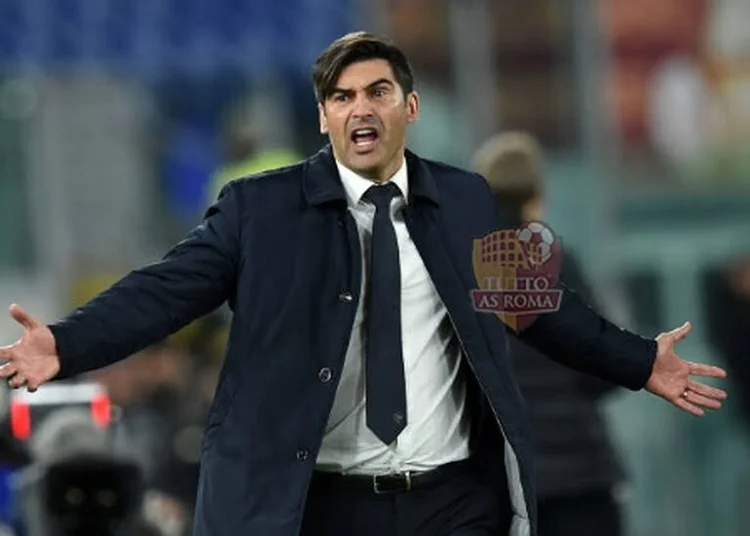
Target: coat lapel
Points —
{"points": [[321, 182]]}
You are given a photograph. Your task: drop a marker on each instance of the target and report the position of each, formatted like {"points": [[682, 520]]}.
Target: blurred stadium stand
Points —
{"points": [[165, 37]]}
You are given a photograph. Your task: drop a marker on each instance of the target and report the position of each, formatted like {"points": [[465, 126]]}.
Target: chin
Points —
{"points": [[366, 164]]}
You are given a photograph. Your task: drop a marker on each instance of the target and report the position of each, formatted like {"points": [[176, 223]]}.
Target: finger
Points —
{"points": [[702, 401], [22, 317], [17, 381], [8, 370], [699, 369], [6, 352], [682, 403], [706, 390], [680, 333]]}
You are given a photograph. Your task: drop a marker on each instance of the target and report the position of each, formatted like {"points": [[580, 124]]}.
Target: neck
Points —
{"points": [[379, 175], [532, 211]]}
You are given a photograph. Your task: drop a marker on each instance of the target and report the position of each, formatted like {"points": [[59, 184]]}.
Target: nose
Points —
{"points": [[362, 107]]}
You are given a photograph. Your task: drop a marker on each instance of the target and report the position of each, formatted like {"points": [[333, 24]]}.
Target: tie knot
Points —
{"points": [[381, 194]]}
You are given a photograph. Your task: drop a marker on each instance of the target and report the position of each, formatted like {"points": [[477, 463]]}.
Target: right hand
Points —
{"points": [[33, 359]]}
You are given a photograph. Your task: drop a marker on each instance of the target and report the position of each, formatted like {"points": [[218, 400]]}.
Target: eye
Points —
{"points": [[340, 97], [380, 92]]}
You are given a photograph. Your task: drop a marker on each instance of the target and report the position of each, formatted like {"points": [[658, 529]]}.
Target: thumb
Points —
{"points": [[680, 333], [22, 317]]}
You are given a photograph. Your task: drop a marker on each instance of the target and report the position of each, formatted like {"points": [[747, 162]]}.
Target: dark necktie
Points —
{"points": [[386, 390]]}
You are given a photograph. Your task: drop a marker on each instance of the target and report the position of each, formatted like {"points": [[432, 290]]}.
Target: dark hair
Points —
{"points": [[353, 48]]}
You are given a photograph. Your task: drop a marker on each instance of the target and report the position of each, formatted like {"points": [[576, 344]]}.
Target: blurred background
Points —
{"points": [[119, 121]]}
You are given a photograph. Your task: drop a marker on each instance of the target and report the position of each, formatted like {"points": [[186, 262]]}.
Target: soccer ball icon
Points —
{"points": [[536, 240]]}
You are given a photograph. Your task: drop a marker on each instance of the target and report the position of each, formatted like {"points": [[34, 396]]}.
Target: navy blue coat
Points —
{"points": [[283, 250]]}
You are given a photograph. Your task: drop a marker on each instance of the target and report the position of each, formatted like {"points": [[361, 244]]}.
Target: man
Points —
{"points": [[577, 470], [350, 403], [244, 156], [727, 295]]}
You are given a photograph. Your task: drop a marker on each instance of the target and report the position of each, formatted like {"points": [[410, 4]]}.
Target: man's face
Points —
{"points": [[365, 118]]}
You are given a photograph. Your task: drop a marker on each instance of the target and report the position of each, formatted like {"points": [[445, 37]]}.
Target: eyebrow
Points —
{"points": [[378, 82]]}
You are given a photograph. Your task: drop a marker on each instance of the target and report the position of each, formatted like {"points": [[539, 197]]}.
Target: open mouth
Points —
{"points": [[364, 138]]}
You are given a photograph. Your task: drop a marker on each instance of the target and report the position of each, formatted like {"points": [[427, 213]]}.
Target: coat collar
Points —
{"points": [[322, 183]]}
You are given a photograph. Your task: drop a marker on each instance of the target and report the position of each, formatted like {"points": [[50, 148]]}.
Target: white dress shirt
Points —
{"points": [[437, 428]]}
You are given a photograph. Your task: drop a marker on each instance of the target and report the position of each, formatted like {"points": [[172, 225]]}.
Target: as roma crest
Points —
{"points": [[517, 271]]}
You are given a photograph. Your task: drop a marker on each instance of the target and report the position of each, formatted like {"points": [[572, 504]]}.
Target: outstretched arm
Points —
{"points": [[578, 337], [194, 277]]}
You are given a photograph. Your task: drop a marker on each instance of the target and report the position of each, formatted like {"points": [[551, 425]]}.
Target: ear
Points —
{"points": [[412, 107], [322, 119]]}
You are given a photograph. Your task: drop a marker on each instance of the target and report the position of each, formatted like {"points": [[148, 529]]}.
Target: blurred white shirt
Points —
{"points": [[437, 430]]}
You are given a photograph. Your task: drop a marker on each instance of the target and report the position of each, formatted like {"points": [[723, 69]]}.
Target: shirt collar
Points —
{"points": [[355, 185]]}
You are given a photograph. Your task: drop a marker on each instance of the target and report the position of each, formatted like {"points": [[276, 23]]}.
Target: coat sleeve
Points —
{"points": [[580, 338], [572, 275], [196, 276]]}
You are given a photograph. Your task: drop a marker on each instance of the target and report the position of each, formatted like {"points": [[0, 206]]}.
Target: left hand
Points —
{"points": [[670, 376]]}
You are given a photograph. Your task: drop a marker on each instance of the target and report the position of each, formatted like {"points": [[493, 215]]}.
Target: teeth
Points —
{"points": [[364, 132]]}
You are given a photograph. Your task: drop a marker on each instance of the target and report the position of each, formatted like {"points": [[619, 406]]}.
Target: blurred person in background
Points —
{"points": [[244, 156], [577, 469], [144, 388], [162, 392], [728, 315], [293, 446]]}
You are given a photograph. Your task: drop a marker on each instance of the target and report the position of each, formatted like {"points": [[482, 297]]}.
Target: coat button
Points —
{"points": [[325, 375], [303, 455], [346, 297]]}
